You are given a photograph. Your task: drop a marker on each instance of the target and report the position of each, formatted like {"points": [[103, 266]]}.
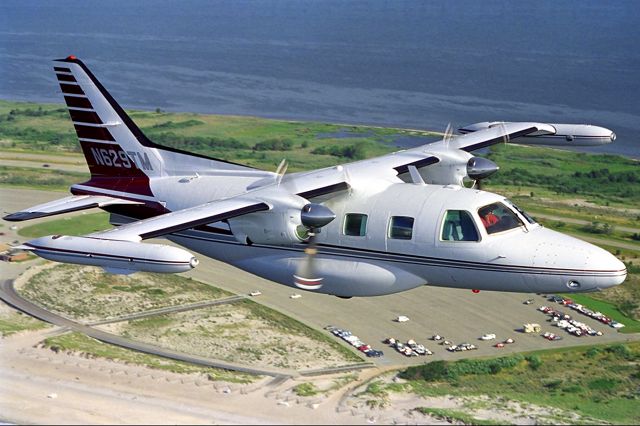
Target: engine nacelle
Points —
{"points": [[281, 226], [451, 169]]}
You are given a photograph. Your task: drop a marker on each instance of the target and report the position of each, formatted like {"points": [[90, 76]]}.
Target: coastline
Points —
{"points": [[599, 150]]}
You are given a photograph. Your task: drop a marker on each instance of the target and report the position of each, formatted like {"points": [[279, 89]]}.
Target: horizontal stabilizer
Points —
{"points": [[65, 205]]}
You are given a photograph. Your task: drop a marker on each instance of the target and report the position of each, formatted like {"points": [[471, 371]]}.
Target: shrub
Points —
{"points": [[620, 351], [534, 361], [274, 145]]}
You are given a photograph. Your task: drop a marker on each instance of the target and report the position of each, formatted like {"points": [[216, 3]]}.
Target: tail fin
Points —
{"points": [[115, 148]]}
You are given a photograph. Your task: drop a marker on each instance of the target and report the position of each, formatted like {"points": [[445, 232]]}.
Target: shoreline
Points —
{"points": [[431, 133]]}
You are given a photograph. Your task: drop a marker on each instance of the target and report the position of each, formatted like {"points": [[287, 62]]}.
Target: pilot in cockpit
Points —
{"points": [[488, 217]]}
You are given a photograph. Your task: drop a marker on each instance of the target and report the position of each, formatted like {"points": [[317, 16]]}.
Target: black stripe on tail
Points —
{"points": [[139, 135]]}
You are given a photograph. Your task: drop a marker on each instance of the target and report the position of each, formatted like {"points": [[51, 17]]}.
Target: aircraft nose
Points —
{"points": [[608, 270], [582, 266]]}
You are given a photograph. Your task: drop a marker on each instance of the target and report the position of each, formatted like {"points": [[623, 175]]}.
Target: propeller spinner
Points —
{"points": [[314, 217]]}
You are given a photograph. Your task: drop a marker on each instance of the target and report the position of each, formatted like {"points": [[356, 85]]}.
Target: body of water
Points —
{"points": [[385, 62]]}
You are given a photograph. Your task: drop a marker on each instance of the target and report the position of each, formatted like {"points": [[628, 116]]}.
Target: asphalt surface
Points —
{"points": [[459, 315]]}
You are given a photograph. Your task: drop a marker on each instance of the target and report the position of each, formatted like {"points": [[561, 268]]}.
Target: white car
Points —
{"points": [[489, 336], [402, 318], [295, 296], [255, 293]]}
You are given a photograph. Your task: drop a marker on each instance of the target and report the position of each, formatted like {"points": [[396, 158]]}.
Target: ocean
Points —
{"points": [[417, 64]]}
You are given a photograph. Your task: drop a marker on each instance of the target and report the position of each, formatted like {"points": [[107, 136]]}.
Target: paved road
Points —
{"points": [[169, 309], [71, 163]]}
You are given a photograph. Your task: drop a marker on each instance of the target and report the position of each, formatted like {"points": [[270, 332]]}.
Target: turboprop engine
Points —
{"points": [[456, 165], [282, 225]]}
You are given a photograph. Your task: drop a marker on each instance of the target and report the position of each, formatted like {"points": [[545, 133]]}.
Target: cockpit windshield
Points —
{"points": [[497, 217], [522, 212]]}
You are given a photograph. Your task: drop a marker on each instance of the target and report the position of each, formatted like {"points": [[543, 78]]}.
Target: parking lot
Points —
{"points": [[459, 315]]}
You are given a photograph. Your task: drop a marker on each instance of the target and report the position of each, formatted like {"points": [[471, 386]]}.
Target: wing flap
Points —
{"points": [[66, 205], [180, 220]]}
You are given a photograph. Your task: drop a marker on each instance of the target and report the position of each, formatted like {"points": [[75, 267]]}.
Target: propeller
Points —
{"points": [[281, 170], [447, 136], [313, 216]]}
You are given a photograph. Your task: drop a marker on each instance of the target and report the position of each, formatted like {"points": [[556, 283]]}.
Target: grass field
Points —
{"points": [[603, 179], [253, 141], [69, 225], [598, 382]]}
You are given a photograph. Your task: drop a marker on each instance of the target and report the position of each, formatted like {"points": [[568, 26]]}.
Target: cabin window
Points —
{"points": [[458, 226], [497, 217], [355, 224], [401, 227]]}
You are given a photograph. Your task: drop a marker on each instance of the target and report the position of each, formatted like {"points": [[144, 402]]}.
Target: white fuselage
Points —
{"points": [[528, 258]]}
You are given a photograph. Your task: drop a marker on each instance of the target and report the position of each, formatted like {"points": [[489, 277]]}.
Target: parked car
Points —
{"points": [[488, 336], [255, 293], [402, 318]]}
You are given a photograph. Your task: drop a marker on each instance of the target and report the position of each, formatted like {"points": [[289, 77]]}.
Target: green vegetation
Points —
{"points": [[85, 345], [440, 370], [14, 322], [46, 179], [601, 382], [69, 225], [455, 416], [602, 178], [253, 141], [305, 389]]}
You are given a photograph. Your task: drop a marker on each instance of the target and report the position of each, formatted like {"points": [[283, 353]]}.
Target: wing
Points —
{"points": [[66, 205], [119, 250], [434, 152], [180, 220], [447, 161]]}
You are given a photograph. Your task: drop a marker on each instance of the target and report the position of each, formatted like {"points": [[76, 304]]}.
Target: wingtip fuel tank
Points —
{"points": [[112, 255], [555, 134]]}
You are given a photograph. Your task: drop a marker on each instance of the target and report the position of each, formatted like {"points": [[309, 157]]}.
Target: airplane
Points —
{"points": [[366, 228]]}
